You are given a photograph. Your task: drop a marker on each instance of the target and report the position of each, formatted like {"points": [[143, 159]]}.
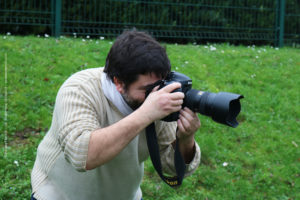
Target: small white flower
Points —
{"points": [[158, 187], [256, 57], [195, 43], [83, 40], [225, 164], [253, 75], [295, 144], [110, 42], [264, 50], [88, 37], [4, 37], [101, 38], [38, 36], [176, 44], [176, 68], [8, 33], [253, 46], [46, 35], [205, 47], [212, 48], [97, 42], [248, 47], [16, 163], [186, 62], [259, 51], [222, 51], [74, 33], [276, 48]]}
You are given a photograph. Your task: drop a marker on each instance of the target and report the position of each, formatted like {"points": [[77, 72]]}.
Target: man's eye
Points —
{"points": [[149, 87]]}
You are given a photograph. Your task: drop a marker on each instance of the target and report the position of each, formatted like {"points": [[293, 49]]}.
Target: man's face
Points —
{"points": [[134, 94]]}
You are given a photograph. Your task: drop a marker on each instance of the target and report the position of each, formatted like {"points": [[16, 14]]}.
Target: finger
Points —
{"points": [[185, 123], [176, 108], [171, 87], [177, 95], [178, 102], [186, 109], [180, 126], [189, 116], [191, 113]]}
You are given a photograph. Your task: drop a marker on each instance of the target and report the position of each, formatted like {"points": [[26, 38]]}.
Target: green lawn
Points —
{"points": [[262, 154]]}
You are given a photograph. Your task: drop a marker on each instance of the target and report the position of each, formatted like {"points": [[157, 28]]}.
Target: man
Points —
{"points": [[96, 145]]}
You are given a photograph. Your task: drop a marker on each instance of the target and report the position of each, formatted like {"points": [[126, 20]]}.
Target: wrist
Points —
{"points": [[187, 148], [186, 139], [142, 115], [187, 142]]}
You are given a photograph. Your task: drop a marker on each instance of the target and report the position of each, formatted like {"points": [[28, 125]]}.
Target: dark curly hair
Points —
{"points": [[134, 53]]}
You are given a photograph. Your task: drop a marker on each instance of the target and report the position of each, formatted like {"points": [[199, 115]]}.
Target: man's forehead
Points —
{"points": [[146, 80]]}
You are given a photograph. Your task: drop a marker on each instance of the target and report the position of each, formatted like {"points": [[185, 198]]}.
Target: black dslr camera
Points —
{"points": [[223, 107]]}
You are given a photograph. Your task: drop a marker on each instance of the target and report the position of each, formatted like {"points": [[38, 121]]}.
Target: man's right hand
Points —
{"points": [[161, 103]]}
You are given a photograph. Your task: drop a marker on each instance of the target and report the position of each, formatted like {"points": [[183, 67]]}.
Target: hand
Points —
{"points": [[161, 103], [188, 123]]}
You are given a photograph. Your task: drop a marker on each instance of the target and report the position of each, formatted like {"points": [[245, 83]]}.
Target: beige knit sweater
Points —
{"points": [[59, 170]]}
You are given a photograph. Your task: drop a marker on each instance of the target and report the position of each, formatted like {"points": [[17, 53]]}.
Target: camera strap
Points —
{"points": [[155, 158]]}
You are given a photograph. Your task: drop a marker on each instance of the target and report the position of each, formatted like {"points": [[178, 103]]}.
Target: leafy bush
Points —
{"points": [[240, 21]]}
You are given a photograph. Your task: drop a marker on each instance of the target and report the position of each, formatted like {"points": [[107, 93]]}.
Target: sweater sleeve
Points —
{"points": [[166, 133], [76, 120]]}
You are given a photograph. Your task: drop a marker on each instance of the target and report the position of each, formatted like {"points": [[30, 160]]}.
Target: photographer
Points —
{"points": [[96, 146]]}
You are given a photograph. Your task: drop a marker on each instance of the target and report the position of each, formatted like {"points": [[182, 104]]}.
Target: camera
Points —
{"points": [[222, 107]]}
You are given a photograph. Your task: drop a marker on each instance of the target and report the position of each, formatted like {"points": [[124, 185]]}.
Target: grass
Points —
{"points": [[263, 153]]}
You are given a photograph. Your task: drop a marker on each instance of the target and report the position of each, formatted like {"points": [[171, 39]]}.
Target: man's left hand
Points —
{"points": [[188, 123]]}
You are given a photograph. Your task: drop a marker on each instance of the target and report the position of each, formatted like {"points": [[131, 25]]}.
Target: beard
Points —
{"points": [[132, 103]]}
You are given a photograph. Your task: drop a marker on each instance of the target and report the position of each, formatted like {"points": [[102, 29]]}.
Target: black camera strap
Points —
{"points": [[155, 158]]}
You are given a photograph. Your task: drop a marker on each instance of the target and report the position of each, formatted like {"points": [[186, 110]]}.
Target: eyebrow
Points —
{"points": [[145, 86]]}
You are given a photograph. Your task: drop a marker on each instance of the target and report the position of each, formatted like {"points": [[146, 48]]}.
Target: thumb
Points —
{"points": [[155, 89]]}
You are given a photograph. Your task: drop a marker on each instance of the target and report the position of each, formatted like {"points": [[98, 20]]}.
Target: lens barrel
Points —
{"points": [[222, 107]]}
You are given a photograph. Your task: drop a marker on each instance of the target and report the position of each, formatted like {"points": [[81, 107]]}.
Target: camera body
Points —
{"points": [[222, 107], [186, 85]]}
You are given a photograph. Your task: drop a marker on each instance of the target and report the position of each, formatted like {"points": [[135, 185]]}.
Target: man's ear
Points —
{"points": [[119, 85]]}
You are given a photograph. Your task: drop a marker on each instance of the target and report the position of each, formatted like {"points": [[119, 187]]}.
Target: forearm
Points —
{"points": [[190, 155], [106, 143], [187, 149]]}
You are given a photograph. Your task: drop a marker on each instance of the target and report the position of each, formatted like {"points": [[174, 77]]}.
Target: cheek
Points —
{"points": [[139, 95]]}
